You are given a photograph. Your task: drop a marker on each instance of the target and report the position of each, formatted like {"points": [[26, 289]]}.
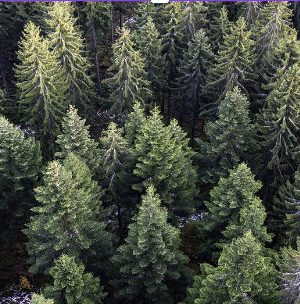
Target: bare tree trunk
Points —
{"points": [[94, 36]]}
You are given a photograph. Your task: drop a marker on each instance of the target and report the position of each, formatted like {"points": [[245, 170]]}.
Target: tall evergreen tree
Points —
{"points": [[230, 138], [279, 127], [165, 160], [20, 163], [150, 262], [128, 85], [234, 66], [73, 286], [244, 275], [142, 12], [67, 44], [76, 138], [251, 11], [41, 90], [192, 77], [68, 219]]}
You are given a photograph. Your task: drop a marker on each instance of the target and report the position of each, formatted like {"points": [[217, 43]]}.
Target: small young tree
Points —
{"points": [[71, 285], [150, 262]]}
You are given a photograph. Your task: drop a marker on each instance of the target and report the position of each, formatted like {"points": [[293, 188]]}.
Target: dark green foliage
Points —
{"points": [[234, 66], [251, 11], [150, 262], [128, 85], [142, 12], [289, 266], [73, 286], [68, 219], [243, 275], [67, 45], [230, 138], [164, 160], [76, 138], [279, 124], [40, 85], [20, 163]]}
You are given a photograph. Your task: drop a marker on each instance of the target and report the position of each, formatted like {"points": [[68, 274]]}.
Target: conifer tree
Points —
{"points": [[243, 275], [73, 286], [142, 12], [150, 46], [68, 219], [289, 267], [230, 138], [40, 87], [165, 161], [20, 163], [150, 262], [234, 66], [76, 138], [67, 44], [279, 126], [128, 85], [192, 77], [251, 11]]}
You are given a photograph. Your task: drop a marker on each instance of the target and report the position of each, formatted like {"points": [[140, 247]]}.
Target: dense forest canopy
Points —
{"points": [[149, 153]]}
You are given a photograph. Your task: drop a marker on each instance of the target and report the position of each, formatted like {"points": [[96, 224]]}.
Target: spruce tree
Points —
{"points": [[279, 126], [165, 161], [76, 138], [192, 77], [20, 163], [234, 65], [40, 86], [251, 11], [243, 275], [128, 85], [142, 12], [68, 219], [71, 285], [230, 138], [67, 44], [150, 261]]}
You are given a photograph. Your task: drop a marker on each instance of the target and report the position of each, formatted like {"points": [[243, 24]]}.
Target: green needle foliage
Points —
{"points": [[129, 84], [234, 65], [20, 163], [230, 138], [40, 86], [150, 262], [76, 138], [67, 44], [279, 125], [73, 286], [165, 161], [243, 275], [68, 219], [251, 11]]}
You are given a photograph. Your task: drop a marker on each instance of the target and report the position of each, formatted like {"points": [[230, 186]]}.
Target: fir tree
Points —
{"points": [[150, 262], [192, 77], [68, 219], [234, 65], [279, 126], [40, 87], [243, 275], [76, 138], [128, 85], [20, 163], [67, 45], [251, 11], [164, 160], [230, 138], [73, 286], [142, 12]]}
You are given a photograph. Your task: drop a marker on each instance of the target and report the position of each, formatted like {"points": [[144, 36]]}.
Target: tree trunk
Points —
{"points": [[4, 79], [112, 37], [94, 37]]}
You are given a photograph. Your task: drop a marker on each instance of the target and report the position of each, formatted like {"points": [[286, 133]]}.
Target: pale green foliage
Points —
{"points": [[40, 85], [67, 44], [165, 160], [129, 84], [150, 260], [243, 275], [68, 219], [39, 299], [76, 138], [73, 286]]}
